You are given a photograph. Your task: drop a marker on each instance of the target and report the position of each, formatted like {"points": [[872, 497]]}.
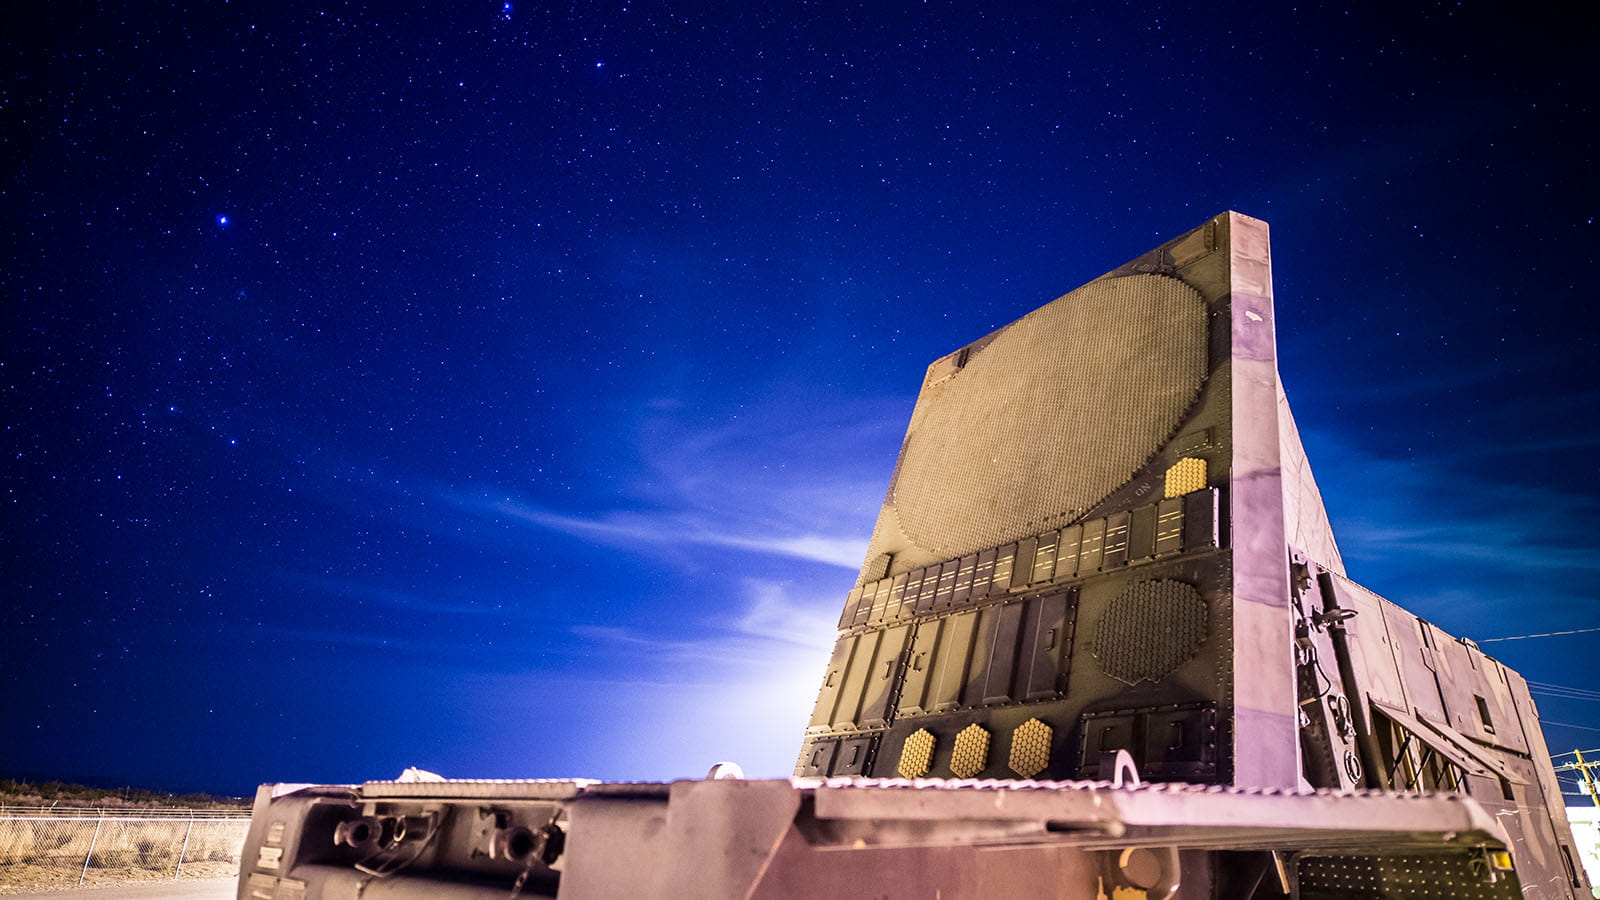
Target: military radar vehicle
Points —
{"points": [[1103, 646]]}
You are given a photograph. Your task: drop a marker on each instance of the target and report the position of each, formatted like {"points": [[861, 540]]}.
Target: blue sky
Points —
{"points": [[512, 393]]}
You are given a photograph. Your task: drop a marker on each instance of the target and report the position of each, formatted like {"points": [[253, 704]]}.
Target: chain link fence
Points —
{"points": [[41, 847]]}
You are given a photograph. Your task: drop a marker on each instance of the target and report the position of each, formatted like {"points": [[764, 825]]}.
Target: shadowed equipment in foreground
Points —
{"points": [[1103, 645]]}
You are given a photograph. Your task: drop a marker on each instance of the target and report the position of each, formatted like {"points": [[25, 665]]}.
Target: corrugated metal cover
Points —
{"points": [[1002, 436], [1149, 630]]}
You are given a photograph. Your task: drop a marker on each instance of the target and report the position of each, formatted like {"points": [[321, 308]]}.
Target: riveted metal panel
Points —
{"points": [[930, 587], [914, 594], [1003, 653], [1116, 553], [983, 577], [1005, 559], [832, 680], [869, 591], [1044, 558], [1046, 642], [898, 608], [883, 678], [982, 656], [966, 570], [847, 618], [1067, 549], [853, 757], [848, 713], [1094, 545], [880, 602], [817, 759], [955, 652], [1200, 527], [920, 668], [1142, 534], [1414, 658], [1022, 567], [1104, 733], [1169, 526], [1180, 743], [947, 584]]}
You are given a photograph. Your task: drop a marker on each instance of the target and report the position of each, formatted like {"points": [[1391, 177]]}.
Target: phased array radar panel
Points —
{"points": [[1102, 535]]}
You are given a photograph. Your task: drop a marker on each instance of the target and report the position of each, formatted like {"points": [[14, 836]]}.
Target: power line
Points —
{"points": [[1568, 687], [1562, 692], [1523, 637], [1569, 725], [1564, 687]]}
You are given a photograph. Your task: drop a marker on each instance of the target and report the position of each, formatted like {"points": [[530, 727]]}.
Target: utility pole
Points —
{"points": [[1586, 771]]}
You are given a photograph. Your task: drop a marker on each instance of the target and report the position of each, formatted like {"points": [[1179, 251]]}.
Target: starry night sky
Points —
{"points": [[509, 391]]}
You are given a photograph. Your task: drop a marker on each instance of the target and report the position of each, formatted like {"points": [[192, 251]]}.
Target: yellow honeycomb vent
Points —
{"points": [[1030, 748], [971, 753], [1186, 476], [916, 756]]}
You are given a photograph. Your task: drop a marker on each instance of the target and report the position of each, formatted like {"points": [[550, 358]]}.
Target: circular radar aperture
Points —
{"points": [[1055, 413]]}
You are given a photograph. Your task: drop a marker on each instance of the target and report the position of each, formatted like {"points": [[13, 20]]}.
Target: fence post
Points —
{"points": [[186, 847], [90, 855]]}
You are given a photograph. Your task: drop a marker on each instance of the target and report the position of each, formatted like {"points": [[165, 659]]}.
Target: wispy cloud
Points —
{"points": [[1448, 542], [769, 620], [740, 687], [772, 482], [680, 527]]}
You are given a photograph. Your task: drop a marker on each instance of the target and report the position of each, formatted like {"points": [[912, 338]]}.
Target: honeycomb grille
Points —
{"points": [[1058, 410], [1030, 748], [1149, 630], [1186, 476], [916, 755], [971, 753]]}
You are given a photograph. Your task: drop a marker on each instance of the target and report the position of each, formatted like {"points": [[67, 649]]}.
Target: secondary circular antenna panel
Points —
{"points": [[1149, 630], [1060, 409]]}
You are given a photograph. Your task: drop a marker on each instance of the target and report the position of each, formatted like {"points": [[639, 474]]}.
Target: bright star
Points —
{"points": [[222, 220]]}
